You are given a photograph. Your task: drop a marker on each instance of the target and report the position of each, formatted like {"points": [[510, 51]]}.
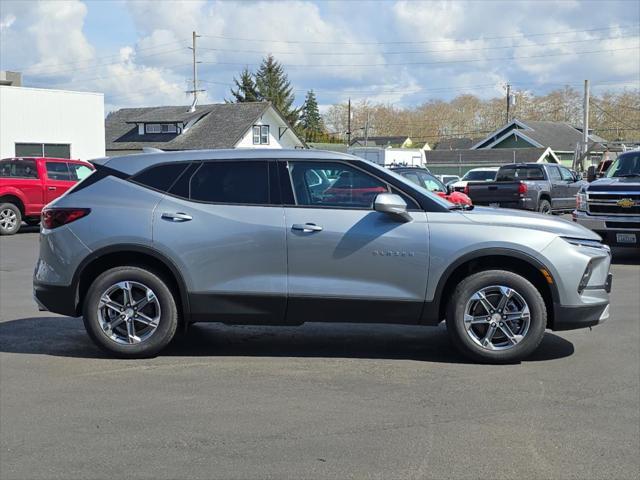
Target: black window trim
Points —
{"points": [[270, 164], [389, 185]]}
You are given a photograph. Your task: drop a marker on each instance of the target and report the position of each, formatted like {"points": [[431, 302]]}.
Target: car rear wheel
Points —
{"points": [[544, 207], [10, 219], [130, 312], [496, 316]]}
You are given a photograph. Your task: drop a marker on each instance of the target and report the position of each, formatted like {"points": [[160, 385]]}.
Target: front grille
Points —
{"points": [[632, 225], [614, 209], [606, 203]]}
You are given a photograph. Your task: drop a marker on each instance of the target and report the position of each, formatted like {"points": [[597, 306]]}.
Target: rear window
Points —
{"points": [[18, 168], [236, 182], [519, 173], [160, 177], [480, 175], [78, 171]]}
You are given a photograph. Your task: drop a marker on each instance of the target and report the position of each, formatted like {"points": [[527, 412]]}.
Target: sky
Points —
{"points": [[397, 52]]}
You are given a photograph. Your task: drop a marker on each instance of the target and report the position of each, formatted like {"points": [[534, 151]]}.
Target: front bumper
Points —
{"points": [[609, 226], [571, 318]]}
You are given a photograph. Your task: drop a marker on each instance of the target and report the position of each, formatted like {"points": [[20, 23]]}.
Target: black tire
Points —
{"points": [[456, 313], [167, 324], [32, 222], [7, 226], [544, 207]]}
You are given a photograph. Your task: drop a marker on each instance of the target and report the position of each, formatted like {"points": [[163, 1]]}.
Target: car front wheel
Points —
{"points": [[130, 312], [496, 316]]}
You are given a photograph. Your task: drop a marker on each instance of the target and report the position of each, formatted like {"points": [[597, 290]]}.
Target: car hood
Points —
{"points": [[534, 221]]}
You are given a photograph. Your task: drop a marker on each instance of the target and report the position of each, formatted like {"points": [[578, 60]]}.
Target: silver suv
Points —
{"points": [[152, 242]]}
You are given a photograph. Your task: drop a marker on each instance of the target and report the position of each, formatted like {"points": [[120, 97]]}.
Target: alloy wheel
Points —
{"points": [[497, 318], [8, 219], [129, 312]]}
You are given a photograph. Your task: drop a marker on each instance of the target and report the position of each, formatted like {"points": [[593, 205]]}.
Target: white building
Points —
{"points": [[226, 125], [412, 157], [52, 123]]}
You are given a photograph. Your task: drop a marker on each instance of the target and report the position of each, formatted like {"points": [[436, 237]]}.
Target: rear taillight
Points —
{"points": [[56, 217], [465, 190], [522, 188]]}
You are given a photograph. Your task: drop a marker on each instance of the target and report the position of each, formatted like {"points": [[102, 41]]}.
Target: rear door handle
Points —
{"points": [[52, 188], [307, 227], [177, 217]]}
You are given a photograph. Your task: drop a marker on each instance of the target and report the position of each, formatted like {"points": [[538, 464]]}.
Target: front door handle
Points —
{"points": [[307, 227], [52, 188], [177, 217]]}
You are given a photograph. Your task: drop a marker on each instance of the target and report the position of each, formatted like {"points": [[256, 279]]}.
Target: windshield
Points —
{"points": [[519, 173], [627, 165], [480, 175]]}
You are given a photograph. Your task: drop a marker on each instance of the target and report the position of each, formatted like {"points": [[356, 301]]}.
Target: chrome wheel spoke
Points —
{"points": [[105, 301], [507, 293], [470, 320], [142, 318], [131, 331], [484, 301], [486, 340], [149, 297], [509, 334]]}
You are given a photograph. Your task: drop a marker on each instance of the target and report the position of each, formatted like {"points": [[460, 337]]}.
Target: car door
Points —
{"points": [[58, 179], [347, 262], [558, 188], [22, 174], [571, 188], [224, 227]]}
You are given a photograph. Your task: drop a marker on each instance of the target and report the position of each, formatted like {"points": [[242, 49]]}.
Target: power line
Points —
{"points": [[265, 52], [439, 62], [25, 69], [522, 35]]}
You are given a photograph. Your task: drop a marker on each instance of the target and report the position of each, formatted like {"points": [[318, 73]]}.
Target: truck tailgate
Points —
{"points": [[486, 193]]}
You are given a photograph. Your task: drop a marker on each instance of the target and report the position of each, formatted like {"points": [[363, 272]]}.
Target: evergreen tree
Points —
{"points": [[272, 84], [246, 88], [310, 120]]}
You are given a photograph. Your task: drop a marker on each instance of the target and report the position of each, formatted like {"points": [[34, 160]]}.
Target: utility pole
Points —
{"points": [[194, 90], [508, 100], [585, 121], [349, 123], [366, 131]]}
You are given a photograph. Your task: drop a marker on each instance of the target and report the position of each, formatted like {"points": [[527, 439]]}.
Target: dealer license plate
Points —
{"points": [[626, 237]]}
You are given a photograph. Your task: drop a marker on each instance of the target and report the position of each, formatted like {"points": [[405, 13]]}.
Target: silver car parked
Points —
{"points": [[154, 241]]}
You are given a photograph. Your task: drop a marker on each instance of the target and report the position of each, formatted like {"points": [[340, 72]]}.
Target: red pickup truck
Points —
{"points": [[28, 184]]}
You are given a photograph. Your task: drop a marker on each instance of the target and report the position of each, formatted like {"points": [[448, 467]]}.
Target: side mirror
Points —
{"points": [[392, 204], [591, 173]]}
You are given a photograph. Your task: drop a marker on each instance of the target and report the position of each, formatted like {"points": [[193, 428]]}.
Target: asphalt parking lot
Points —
{"points": [[319, 401]]}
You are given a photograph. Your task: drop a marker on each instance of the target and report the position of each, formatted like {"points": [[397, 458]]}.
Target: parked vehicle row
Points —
{"points": [[28, 184], [241, 237]]}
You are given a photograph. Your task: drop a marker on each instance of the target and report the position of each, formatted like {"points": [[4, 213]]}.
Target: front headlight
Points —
{"points": [[581, 201], [583, 242]]}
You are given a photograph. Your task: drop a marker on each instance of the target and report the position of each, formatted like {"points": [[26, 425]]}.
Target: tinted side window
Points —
{"points": [[19, 168], [334, 185], [58, 171], [239, 182], [566, 174], [160, 177]]}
